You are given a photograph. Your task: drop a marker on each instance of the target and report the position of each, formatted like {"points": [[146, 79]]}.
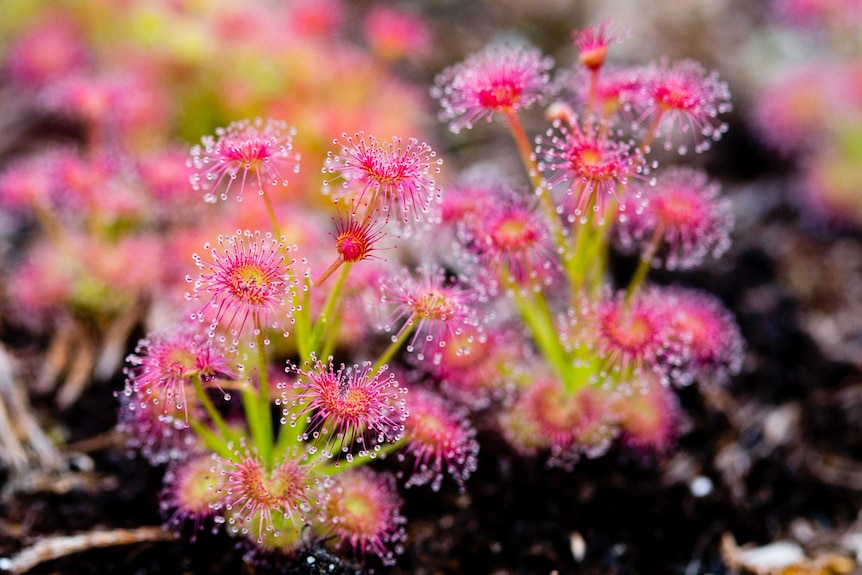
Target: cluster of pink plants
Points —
{"points": [[291, 449], [307, 348], [602, 358], [112, 185]]}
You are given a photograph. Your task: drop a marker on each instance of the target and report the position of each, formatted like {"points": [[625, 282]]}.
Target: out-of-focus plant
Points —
{"points": [[812, 109], [129, 79]]}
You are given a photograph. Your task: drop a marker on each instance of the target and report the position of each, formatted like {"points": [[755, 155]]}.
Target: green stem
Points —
{"points": [[264, 439], [575, 262], [251, 408], [586, 268], [211, 410], [639, 275], [396, 344], [644, 263], [535, 313], [599, 257], [579, 377], [320, 332], [302, 320], [589, 240], [286, 434], [331, 339], [211, 440]]}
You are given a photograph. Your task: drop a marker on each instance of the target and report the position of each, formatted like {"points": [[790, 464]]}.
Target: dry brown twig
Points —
{"points": [[58, 546], [24, 446], [77, 355]]}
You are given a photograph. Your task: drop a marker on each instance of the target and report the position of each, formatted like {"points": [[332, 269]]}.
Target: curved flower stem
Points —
{"points": [[644, 264], [393, 348], [212, 441], [328, 271], [211, 410], [265, 440], [651, 131], [273, 221], [529, 161], [535, 313], [320, 333]]}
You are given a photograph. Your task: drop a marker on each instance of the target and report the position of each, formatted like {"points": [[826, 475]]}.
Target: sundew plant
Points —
{"points": [[602, 359], [316, 346], [306, 349]]}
